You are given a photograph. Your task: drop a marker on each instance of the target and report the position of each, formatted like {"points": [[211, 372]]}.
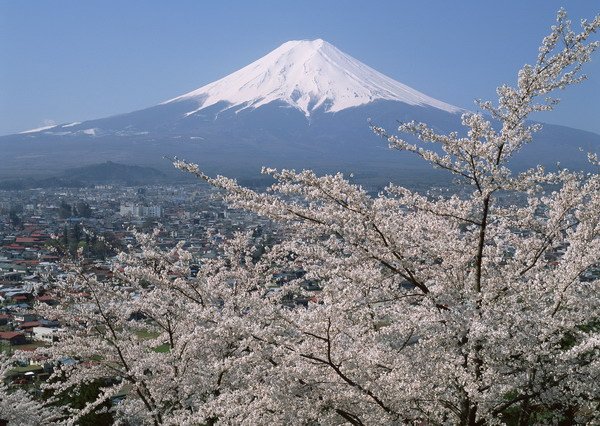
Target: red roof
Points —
{"points": [[26, 240], [45, 298], [8, 335], [14, 247], [27, 262], [30, 324]]}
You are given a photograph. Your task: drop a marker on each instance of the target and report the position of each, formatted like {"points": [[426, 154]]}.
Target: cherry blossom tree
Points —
{"points": [[461, 310], [171, 348], [18, 407], [450, 309]]}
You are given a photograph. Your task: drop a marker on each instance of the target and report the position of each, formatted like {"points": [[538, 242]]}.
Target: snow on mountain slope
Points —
{"points": [[307, 75], [39, 129]]}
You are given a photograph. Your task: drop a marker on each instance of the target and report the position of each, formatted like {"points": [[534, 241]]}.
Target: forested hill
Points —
{"points": [[103, 173]]}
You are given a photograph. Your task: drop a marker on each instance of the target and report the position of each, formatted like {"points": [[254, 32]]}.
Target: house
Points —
{"points": [[27, 326], [21, 298], [11, 277], [47, 299], [12, 338], [26, 241], [25, 317], [46, 334]]}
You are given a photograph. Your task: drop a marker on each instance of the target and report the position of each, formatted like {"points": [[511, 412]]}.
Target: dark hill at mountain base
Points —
{"points": [[105, 173], [110, 172]]}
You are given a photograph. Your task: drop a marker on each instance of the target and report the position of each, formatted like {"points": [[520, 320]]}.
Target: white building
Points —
{"points": [[46, 334], [138, 210]]}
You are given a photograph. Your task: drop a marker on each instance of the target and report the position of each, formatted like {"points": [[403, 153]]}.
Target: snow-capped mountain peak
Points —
{"points": [[307, 75]]}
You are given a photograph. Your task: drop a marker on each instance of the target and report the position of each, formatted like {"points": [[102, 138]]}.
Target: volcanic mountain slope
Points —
{"points": [[306, 104], [307, 75]]}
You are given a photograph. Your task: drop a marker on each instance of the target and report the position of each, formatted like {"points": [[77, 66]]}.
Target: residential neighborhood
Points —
{"points": [[40, 227]]}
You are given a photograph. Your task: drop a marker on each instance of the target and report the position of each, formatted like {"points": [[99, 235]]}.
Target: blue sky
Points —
{"points": [[72, 60]]}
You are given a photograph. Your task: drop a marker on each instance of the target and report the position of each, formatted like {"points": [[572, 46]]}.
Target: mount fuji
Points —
{"points": [[305, 104], [308, 76]]}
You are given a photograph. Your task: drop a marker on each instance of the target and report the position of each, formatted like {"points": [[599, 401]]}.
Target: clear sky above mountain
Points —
{"points": [[69, 60]]}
